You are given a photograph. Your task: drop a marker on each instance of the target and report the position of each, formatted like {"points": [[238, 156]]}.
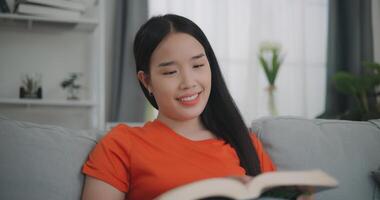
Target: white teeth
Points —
{"points": [[190, 98]]}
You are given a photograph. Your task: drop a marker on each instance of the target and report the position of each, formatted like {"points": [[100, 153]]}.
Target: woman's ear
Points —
{"points": [[144, 79]]}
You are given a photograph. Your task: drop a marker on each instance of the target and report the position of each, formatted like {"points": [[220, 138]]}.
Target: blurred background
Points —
{"points": [[71, 64]]}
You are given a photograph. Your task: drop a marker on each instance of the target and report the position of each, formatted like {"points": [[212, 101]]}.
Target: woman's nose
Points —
{"points": [[187, 80]]}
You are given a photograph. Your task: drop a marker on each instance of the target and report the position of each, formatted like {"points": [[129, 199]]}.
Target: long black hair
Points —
{"points": [[221, 116]]}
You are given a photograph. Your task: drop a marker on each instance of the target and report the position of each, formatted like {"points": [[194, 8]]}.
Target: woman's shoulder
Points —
{"points": [[127, 132], [255, 139], [257, 143], [266, 162]]}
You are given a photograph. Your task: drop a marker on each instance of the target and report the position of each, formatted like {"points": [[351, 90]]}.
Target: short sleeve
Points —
{"points": [[266, 162], [109, 161]]}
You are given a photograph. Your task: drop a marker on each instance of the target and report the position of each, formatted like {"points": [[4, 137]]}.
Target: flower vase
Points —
{"points": [[272, 104], [72, 93]]}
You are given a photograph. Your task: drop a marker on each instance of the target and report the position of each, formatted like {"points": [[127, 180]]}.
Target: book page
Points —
{"points": [[311, 178], [288, 184]]}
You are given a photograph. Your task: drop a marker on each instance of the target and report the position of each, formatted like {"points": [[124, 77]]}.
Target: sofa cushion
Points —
{"points": [[42, 162], [347, 150]]}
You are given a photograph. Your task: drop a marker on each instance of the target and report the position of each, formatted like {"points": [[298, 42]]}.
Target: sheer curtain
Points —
{"points": [[236, 28]]}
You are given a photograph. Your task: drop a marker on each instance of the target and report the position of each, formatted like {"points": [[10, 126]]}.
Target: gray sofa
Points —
{"points": [[44, 162], [347, 150]]}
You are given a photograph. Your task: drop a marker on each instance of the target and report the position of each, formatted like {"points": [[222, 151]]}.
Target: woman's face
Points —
{"points": [[180, 77]]}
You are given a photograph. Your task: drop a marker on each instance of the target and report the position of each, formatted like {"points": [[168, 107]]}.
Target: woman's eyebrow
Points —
{"points": [[164, 64], [198, 56]]}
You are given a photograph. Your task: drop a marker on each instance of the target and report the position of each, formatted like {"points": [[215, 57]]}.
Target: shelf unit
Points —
{"points": [[84, 20], [83, 23], [47, 102], [58, 32]]}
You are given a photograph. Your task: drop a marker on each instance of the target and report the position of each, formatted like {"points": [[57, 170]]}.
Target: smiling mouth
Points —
{"points": [[189, 98]]}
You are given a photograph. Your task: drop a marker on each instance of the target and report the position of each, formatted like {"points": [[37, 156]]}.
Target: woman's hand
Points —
{"points": [[306, 197], [243, 179]]}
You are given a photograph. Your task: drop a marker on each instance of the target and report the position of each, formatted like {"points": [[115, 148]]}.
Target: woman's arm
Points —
{"points": [[306, 197], [95, 189]]}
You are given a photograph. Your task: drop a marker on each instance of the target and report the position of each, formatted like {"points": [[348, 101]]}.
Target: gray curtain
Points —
{"points": [[127, 102], [350, 42]]}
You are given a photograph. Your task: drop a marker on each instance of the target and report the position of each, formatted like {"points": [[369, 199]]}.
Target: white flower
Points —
{"points": [[269, 46]]}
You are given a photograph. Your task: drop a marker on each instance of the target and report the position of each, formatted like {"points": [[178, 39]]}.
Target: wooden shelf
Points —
{"points": [[46, 102]]}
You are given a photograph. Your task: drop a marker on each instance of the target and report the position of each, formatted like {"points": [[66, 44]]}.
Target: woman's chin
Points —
{"points": [[188, 116], [185, 115]]}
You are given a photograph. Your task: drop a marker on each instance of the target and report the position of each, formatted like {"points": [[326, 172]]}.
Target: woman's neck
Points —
{"points": [[192, 128]]}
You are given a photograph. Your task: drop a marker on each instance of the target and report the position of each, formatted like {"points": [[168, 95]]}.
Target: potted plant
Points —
{"points": [[271, 60], [71, 86], [31, 86], [363, 90]]}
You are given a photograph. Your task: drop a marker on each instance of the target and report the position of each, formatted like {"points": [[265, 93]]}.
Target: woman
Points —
{"points": [[198, 134]]}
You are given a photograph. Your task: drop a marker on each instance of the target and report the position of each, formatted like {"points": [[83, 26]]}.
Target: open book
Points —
{"points": [[280, 184]]}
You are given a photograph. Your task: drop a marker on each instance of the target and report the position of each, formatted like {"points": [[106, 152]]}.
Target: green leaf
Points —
{"points": [[372, 65], [270, 65], [276, 66], [265, 66], [346, 83]]}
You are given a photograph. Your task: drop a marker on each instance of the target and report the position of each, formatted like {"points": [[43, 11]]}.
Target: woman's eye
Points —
{"points": [[169, 73], [197, 66]]}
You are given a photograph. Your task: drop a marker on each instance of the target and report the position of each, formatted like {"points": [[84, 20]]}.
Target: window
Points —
{"points": [[236, 28]]}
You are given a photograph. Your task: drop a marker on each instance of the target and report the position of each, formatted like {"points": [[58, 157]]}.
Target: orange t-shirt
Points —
{"points": [[146, 161]]}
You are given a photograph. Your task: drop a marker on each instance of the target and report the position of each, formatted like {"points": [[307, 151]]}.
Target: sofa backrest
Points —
{"points": [[347, 150], [42, 162]]}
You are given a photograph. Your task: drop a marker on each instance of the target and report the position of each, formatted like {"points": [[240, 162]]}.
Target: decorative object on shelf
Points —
{"points": [[271, 60], [31, 86], [365, 91], [71, 86]]}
